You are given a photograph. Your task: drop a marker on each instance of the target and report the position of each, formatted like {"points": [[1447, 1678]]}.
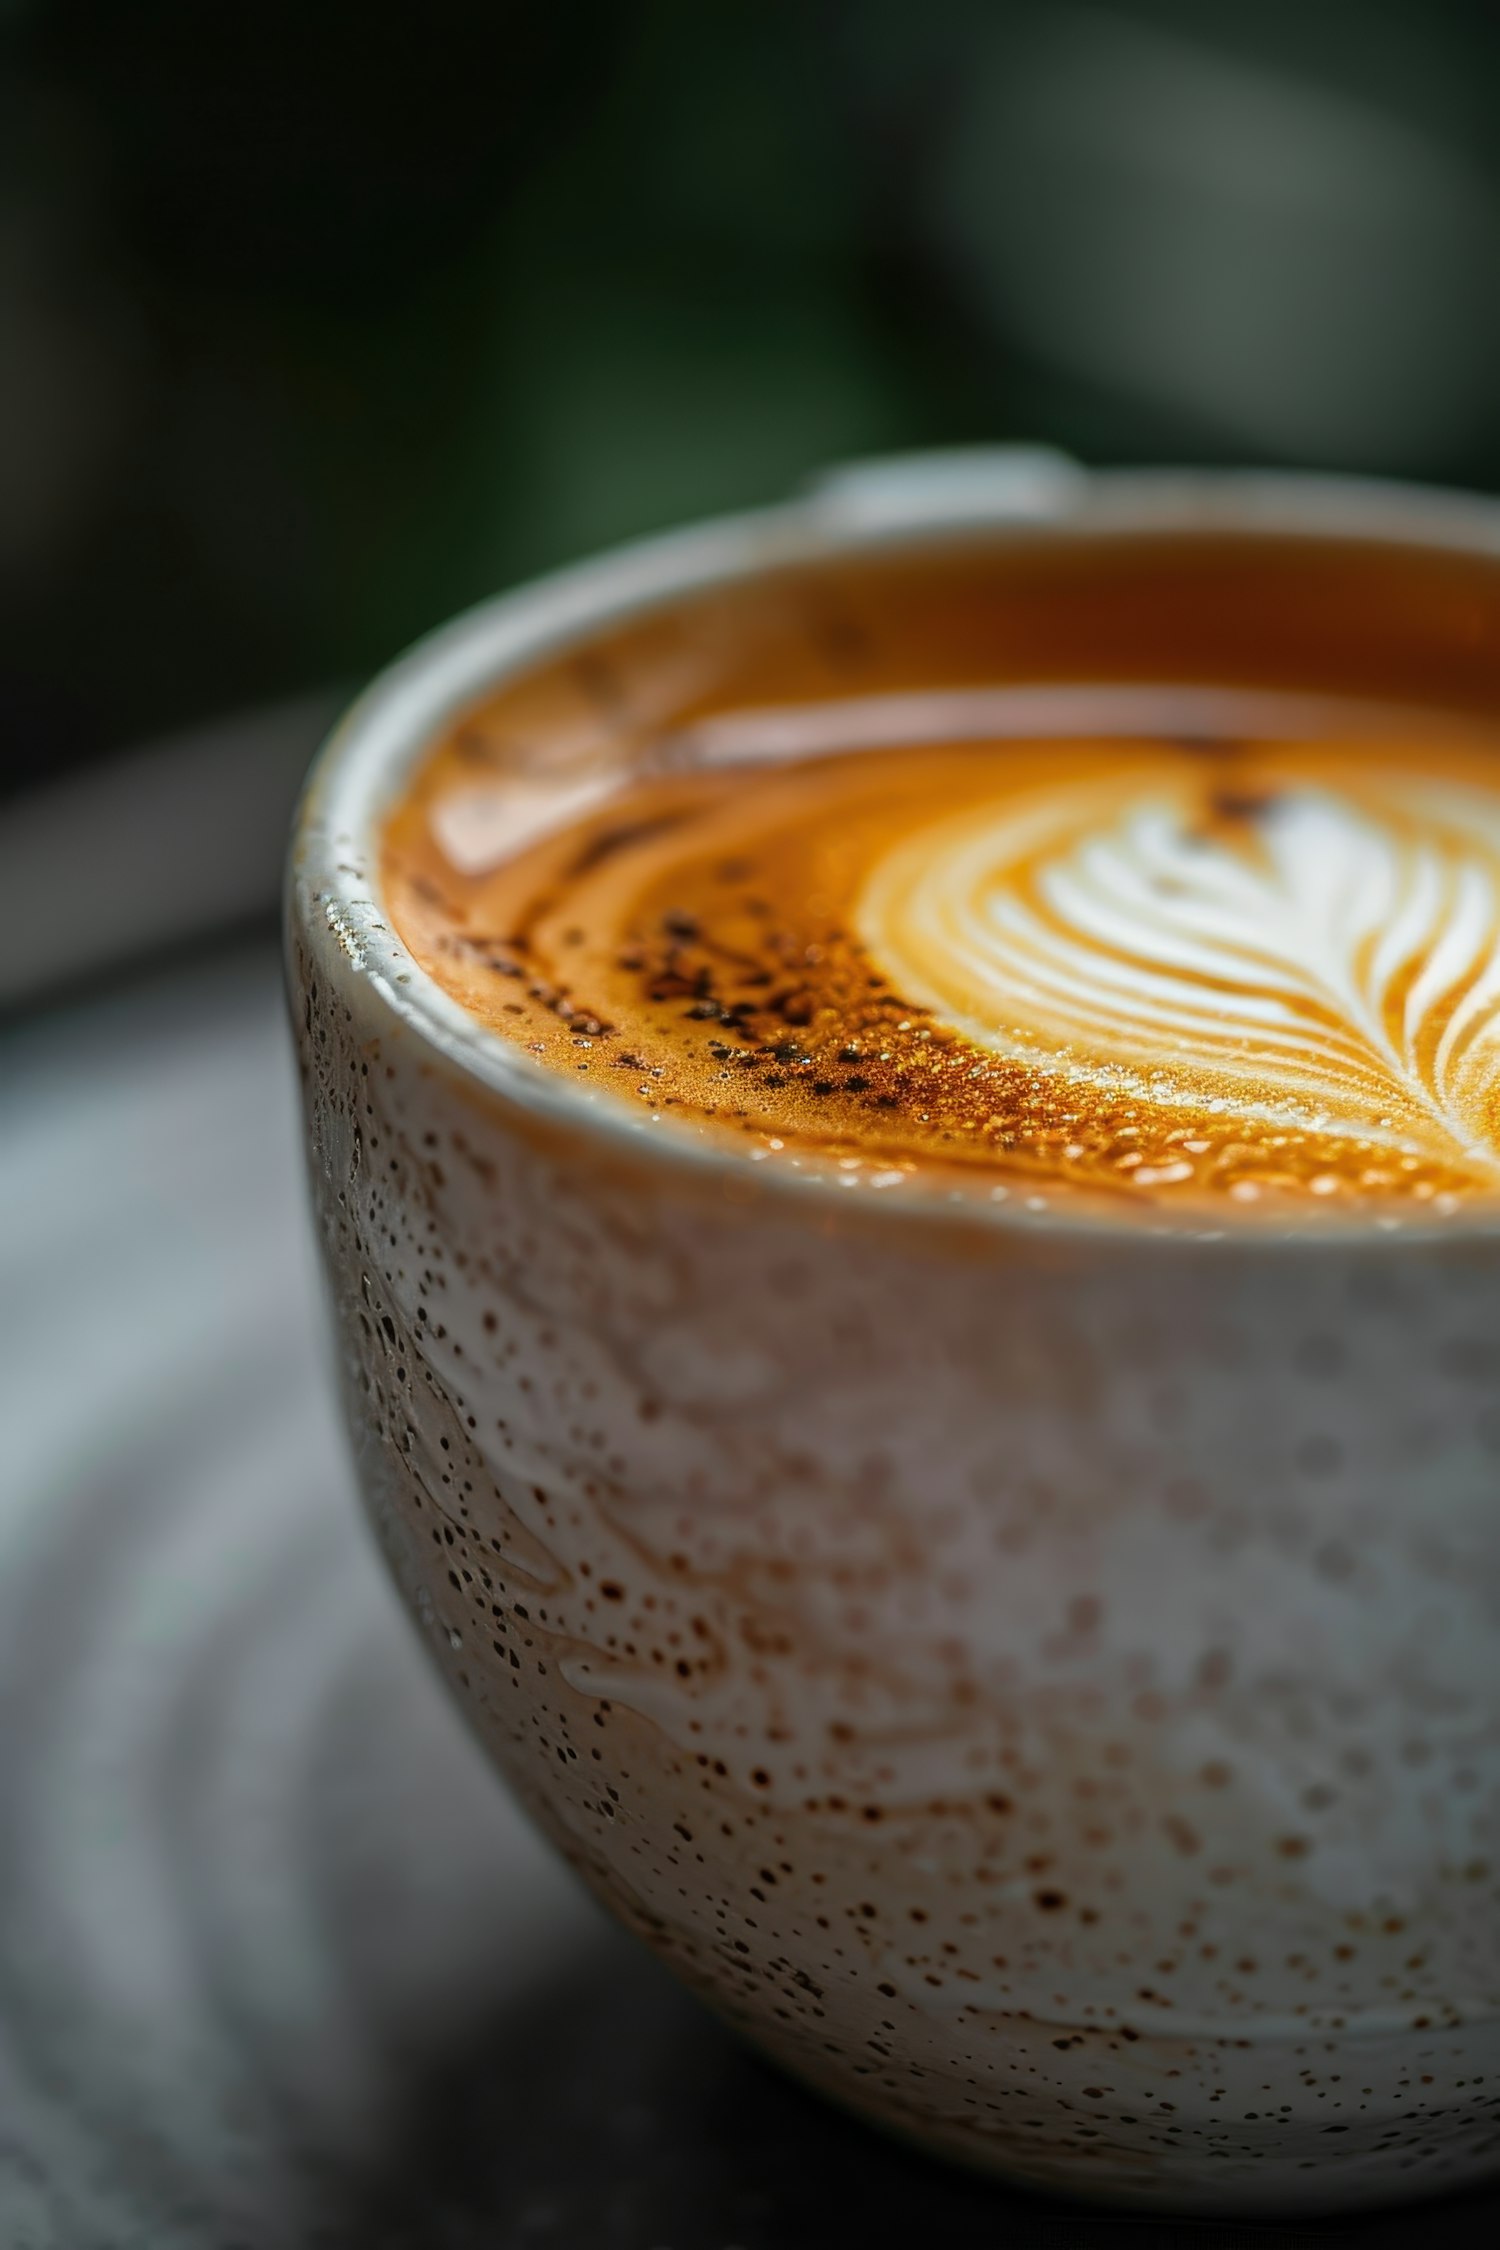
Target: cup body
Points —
{"points": [[1041, 1681]]}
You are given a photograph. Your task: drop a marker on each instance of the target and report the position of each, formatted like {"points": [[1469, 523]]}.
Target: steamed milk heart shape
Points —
{"points": [[1256, 962]]}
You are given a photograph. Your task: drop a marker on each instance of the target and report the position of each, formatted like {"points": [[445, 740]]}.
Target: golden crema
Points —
{"points": [[1152, 946]]}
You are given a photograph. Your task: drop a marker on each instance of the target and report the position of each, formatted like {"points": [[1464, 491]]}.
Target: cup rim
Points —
{"points": [[886, 505]]}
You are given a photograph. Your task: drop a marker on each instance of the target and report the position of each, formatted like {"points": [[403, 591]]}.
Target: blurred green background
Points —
{"points": [[318, 321]]}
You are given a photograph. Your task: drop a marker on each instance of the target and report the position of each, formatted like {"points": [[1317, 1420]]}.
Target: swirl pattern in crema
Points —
{"points": [[1246, 964]]}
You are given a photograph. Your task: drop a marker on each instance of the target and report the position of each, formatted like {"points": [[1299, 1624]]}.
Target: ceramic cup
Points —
{"points": [[1040, 1680]]}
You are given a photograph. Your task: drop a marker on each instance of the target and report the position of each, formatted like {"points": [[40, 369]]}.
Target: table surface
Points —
{"points": [[279, 1963]]}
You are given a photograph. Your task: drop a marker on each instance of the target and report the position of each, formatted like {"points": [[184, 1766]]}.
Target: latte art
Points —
{"points": [[1322, 959], [1228, 968]]}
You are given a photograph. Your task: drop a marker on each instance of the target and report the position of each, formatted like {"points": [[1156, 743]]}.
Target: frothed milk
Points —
{"points": [[1146, 947], [1233, 969], [904, 1136]]}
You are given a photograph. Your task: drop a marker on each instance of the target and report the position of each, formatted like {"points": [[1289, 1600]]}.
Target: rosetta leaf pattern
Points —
{"points": [[1325, 958]]}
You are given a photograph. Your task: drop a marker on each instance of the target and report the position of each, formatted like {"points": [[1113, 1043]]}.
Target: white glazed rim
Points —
{"points": [[904, 502]]}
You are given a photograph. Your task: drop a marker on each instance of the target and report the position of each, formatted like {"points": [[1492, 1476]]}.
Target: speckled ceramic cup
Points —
{"points": [[1040, 1679]]}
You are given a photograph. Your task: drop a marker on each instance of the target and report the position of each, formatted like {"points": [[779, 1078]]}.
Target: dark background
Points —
{"points": [[319, 320]]}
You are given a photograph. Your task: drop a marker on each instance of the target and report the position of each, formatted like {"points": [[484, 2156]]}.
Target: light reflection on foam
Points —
{"points": [[479, 824], [763, 733]]}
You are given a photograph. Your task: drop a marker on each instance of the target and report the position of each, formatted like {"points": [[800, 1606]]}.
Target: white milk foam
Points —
{"points": [[1330, 960]]}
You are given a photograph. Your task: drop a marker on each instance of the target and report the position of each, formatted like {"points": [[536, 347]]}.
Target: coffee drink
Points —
{"points": [[1145, 948], [903, 1119]]}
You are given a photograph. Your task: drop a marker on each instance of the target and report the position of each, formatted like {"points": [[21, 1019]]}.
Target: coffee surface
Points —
{"points": [[1193, 947]]}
